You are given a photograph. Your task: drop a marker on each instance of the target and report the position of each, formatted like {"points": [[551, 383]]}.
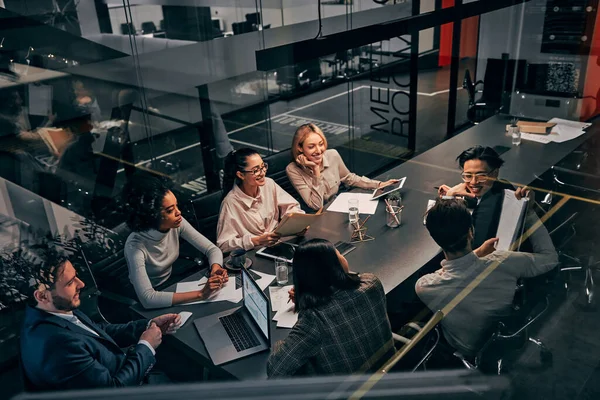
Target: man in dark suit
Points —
{"points": [[481, 188], [61, 348]]}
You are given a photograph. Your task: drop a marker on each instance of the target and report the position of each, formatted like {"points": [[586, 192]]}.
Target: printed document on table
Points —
{"points": [[365, 204], [286, 317], [263, 282], [227, 292], [565, 130], [279, 296], [536, 137]]}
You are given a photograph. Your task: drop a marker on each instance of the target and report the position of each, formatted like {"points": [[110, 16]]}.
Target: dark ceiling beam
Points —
{"points": [[293, 53]]}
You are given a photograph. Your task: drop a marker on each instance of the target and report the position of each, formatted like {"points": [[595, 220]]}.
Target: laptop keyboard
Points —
{"points": [[239, 332]]}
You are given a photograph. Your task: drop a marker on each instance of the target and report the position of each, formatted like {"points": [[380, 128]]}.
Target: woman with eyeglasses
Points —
{"points": [[342, 325], [317, 172], [481, 188], [252, 204]]}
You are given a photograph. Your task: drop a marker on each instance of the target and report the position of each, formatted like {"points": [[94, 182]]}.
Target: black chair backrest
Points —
{"points": [[148, 27], [496, 71], [277, 163], [469, 86], [206, 214], [253, 18], [127, 29]]}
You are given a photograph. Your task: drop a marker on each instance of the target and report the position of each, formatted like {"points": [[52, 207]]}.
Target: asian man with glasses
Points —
{"points": [[481, 188]]}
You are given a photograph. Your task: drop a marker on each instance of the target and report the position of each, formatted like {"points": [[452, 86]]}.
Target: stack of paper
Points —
{"points": [[365, 203], [263, 282], [285, 315], [227, 292], [563, 131]]}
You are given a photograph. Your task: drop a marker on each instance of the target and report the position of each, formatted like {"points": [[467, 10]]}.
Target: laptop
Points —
{"points": [[246, 330]]}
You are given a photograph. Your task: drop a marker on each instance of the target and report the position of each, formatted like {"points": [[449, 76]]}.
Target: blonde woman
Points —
{"points": [[316, 172]]}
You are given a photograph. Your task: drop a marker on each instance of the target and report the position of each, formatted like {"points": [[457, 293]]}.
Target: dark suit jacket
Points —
{"points": [[58, 354], [350, 333]]}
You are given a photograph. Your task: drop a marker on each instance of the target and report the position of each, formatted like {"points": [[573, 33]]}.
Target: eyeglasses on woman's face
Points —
{"points": [[257, 170]]}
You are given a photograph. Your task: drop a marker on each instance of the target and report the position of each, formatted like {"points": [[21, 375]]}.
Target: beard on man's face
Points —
{"points": [[64, 304]]}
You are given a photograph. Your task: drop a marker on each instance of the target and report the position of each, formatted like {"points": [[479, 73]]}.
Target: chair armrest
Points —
{"points": [[465, 362], [399, 339]]}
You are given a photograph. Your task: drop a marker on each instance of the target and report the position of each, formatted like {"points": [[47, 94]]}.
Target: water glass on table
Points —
{"points": [[353, 210], [281, 271]]}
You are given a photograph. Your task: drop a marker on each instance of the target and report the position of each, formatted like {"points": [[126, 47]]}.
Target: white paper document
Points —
{"points": [[263, 282], [563, 131], [512, 219], [279, 296], [185, 315], [286, 317], [227, 292], [545, 139], [365, 204]]}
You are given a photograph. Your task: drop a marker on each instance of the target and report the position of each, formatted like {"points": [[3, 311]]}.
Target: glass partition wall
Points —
{"points": [[93, 92]]}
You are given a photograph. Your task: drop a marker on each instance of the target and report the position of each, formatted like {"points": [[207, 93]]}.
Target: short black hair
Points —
{"points": [[449, 223], [142, 198], [24, 270], [318, 273], [487, 154]]}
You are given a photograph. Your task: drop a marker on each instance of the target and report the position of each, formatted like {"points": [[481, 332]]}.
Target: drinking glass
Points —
{"points": [[353, 210], [281, 271]]}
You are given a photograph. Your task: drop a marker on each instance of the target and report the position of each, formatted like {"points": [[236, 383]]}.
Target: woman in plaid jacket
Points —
{"points": [[342, 325]]}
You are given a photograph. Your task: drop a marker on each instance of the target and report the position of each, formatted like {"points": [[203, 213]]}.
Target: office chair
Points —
{"points": [[512, 333], [205, 212], [127, 29], [239, 28], [584, 184], [428, 333], [478, 110], [277, 164], [91, 293], [148, 27], [253, 19]]}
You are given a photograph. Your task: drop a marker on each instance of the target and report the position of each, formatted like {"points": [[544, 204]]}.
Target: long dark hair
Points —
{"points": [[234, 161], [142, 199], [318, 273]]}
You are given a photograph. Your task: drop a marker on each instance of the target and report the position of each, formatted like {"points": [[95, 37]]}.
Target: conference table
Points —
{"points": [[396, 254]]}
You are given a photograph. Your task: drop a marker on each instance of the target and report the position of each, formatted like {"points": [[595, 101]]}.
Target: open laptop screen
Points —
{"points": [[256, 303]]}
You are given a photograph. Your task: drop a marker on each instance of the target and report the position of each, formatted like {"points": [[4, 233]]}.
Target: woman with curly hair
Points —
{"points": [[153, 246]]}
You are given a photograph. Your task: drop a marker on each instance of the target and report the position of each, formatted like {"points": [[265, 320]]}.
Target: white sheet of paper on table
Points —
{"points": [[545, 139], [185, 315], [279, 296], [227, 292], [264, 282], [286, 317], [365, 204]]}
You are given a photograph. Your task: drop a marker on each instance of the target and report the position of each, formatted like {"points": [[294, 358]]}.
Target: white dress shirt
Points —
{"points": [[72, 318]]}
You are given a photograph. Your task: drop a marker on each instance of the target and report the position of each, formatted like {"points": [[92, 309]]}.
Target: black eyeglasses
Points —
{"points": [[257, 170]]}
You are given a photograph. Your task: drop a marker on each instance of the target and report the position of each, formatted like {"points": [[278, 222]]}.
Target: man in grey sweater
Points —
{"points": [[492, 275]]}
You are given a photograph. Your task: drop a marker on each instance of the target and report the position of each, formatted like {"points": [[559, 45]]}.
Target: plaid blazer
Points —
{"points": [[349, 334]]}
